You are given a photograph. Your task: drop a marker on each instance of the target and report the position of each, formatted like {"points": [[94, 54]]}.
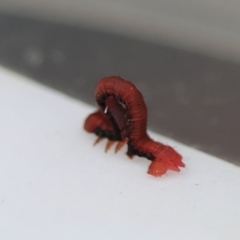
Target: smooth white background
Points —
{"points": [[54, 184]]}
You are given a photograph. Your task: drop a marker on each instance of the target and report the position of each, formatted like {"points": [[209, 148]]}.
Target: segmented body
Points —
{"points": [[122, 117]]}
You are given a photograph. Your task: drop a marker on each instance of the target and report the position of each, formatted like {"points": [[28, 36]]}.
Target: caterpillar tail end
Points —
{"points": [[167, 159]]}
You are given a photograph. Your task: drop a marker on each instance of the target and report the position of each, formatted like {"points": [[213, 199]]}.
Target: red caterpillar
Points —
{"points": [[122, 117]]}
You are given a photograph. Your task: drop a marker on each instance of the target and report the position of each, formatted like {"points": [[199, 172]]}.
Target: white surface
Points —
{"points": [[211, 26], [54, 184]]}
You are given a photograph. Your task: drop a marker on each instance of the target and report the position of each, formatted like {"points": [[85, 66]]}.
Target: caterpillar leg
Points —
{"points": [[109, 145], [157, 168], [99, 139], [120, 144]]}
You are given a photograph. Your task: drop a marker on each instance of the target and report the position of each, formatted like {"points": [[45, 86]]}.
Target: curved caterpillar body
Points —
{"points": [[122, 117]]}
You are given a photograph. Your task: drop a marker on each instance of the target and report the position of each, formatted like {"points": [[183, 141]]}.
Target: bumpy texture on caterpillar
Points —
{"points": [[122, 117]]}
